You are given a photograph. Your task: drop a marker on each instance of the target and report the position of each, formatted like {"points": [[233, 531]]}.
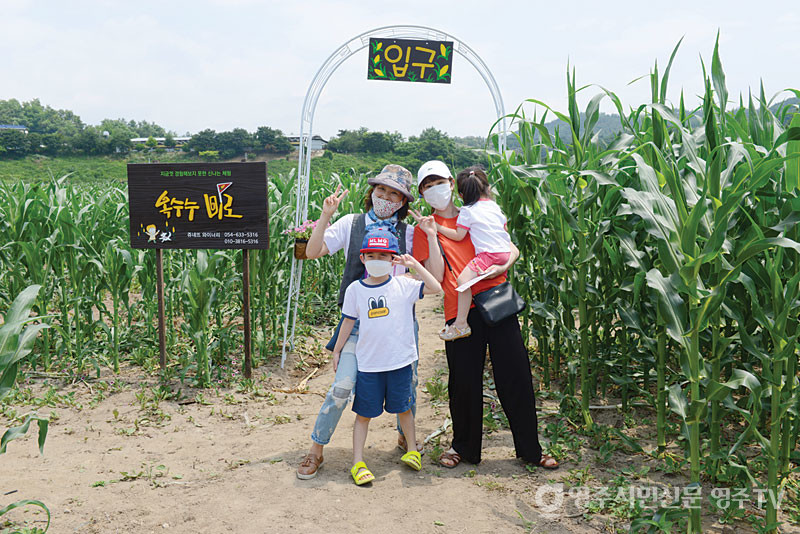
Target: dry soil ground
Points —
{"points": [[118, 461]]}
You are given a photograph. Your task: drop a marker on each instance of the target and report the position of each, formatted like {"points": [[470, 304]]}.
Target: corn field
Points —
{"points": [[98, 295], [89, 299], [663, 269]]}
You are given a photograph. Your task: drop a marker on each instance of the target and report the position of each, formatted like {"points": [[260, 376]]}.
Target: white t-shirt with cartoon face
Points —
{"points": [[386, 322]]}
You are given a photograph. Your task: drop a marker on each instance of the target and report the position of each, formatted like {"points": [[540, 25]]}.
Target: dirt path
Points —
{"points": [[125, 463]]}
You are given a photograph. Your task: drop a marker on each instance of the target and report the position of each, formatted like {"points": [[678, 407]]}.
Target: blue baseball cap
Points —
{"points": [[380, 240]]}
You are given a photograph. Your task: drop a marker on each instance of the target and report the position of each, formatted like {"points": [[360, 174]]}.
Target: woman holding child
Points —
{"points": [[466, 342], [386, 206]]}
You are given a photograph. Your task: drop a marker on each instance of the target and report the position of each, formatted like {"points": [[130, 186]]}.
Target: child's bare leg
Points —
{"points": [[360, 429], [407, 424], [464, 298]]}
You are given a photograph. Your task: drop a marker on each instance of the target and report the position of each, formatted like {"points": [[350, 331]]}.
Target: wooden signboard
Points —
{"points": [[198, 205], [410, 60]]}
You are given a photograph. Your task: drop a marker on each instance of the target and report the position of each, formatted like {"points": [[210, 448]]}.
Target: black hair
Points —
{"points": [[431, 178], [473, 184], [401, 213]]}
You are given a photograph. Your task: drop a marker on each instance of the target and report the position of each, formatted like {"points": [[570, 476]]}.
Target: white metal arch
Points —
{"points": [[338, 57]]}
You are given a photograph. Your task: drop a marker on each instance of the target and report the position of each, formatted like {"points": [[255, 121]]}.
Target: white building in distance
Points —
{"points": [[317, 142]]}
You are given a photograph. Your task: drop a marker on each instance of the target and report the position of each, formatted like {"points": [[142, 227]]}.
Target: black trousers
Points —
{"points": [[512, 377]]}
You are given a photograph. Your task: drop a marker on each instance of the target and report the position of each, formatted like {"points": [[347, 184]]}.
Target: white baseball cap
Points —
{"points": [[432, 168]]}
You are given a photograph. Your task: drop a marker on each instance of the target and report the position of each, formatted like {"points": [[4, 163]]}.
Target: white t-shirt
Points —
{"points": [[486, 224], [337, 237], [386, 322]]}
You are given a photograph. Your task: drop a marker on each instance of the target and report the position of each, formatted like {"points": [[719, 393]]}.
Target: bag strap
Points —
{"points": [[353, 268], [402, 228], [444, 256]]}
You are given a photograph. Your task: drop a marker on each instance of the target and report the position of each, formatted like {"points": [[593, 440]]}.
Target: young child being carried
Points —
{"points": [[386, 350], [483, 219]]}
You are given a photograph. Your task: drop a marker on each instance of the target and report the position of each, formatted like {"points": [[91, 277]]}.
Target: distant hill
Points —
{"points": [[470, 141], [609, 124]]}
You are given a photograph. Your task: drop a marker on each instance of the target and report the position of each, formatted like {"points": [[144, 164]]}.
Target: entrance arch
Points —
{"points": [[339, 56]]}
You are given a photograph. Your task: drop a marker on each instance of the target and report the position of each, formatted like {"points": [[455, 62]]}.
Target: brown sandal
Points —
{"points": [[548, 462], [309, 466], [453, 459]]}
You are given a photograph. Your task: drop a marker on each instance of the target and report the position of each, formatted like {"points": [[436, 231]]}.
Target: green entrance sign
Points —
{"points": [[409, 60]]}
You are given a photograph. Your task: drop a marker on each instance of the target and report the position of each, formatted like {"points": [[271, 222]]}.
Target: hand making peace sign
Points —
{"points": [[331, 203], [426, 223], [406, 260]]}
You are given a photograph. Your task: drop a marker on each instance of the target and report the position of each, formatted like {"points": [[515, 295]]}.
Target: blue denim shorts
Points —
{"points": [[385, 390]]}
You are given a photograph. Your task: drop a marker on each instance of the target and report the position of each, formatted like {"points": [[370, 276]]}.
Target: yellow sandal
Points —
{"points": [[412, 459], [361, 475]]}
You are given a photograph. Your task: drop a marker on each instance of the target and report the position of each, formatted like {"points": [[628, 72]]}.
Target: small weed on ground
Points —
{"points": [[437, 389]]}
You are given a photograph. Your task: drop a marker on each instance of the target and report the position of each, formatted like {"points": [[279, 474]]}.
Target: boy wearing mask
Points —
{"points": [[386, 349]]}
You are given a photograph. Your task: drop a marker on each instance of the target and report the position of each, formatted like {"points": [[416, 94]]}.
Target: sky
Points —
{"points": [[224, 64]]}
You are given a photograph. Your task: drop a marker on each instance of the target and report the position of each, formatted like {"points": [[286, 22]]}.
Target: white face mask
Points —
{"points": [[438, 196], [384, 208], [378, 268]]}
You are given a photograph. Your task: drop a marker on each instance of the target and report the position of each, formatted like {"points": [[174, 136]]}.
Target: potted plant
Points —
{"points": [[301, 234]]}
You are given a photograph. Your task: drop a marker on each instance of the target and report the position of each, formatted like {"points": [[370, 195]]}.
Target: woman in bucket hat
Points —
{"points": [[466, 356], [385, 207]]}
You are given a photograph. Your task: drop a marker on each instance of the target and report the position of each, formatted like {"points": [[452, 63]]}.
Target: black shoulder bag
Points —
{"points": [[495, 304], [498, 303]]}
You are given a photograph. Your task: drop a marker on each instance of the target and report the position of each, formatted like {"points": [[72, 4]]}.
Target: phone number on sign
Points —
{"points": [[239, 241], [240, 234]]}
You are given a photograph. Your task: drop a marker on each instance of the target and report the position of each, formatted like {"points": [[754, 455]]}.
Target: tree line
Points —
{"points": [[55, 132], [60, 132], [213, 145], [412, 152]]}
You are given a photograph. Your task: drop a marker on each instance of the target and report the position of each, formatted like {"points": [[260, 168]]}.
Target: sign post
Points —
{"points": [[162, 345], [248, 362], [199, 205]]}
